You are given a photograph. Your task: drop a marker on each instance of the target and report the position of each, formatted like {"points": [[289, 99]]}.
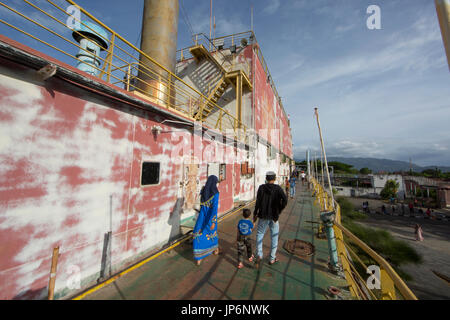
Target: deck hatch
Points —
{"points": [[299, 247]]}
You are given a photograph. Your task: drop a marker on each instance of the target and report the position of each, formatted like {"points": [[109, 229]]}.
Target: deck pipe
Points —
{"points": [[92, 39], [328, 220], [159, 41]]}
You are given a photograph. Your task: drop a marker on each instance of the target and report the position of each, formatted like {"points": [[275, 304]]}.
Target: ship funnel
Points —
{"points": [[443, 12], [93, 39], [159, 41]]}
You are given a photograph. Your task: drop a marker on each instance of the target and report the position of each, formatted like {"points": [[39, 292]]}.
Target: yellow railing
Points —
{"points": [[392, 287], [45, 23], [249, 37], [201, 39], [231, 40], [227, 63]]}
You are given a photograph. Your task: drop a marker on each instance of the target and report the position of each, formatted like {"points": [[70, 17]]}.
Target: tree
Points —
{"points": [[390, 189], [432, 173], [365, 171]]}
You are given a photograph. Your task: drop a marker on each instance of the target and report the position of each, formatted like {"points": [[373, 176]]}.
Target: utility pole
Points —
{"points": [[210, 22], [214, 26], [308, 167]]}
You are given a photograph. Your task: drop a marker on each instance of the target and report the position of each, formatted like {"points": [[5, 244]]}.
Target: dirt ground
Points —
{"points": [[435, 249]]}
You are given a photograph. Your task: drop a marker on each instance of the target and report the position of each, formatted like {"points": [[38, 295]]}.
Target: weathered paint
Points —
{"points": [[271, 122], [70, 163]]}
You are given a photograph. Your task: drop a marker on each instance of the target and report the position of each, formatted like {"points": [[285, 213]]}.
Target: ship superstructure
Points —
{"points": [[104, 147]]}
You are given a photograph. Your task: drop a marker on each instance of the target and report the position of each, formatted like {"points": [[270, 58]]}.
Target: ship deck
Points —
{"points": [[174, 274]]}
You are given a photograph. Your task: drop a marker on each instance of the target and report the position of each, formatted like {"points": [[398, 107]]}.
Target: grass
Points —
{"points": [[396, 252]]}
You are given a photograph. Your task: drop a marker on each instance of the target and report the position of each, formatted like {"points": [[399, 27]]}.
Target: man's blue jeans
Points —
{"points": [[263, 224], [292, 191]]}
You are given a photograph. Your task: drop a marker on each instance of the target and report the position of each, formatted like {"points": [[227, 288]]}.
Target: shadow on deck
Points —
{"points": [[174, 275]]}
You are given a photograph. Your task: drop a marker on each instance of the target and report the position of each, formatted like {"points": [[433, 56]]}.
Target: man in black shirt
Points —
{"points": [[270, 202]]}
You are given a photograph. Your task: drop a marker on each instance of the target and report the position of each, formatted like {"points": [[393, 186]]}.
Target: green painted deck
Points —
{"points": [[174, 274]]}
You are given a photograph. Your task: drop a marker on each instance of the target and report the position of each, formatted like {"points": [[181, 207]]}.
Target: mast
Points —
{"points": [[324, 156]]}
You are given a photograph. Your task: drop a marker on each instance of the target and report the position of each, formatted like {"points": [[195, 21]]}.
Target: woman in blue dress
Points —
{"points": [[206, 240]]}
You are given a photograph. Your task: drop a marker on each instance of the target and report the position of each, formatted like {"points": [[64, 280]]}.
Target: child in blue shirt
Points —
{"points": [[245, 227]]}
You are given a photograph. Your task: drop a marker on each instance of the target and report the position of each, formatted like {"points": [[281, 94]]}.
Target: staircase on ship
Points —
{"points": [[214, 79]]}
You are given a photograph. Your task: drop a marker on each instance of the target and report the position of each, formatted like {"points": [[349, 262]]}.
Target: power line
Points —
{"points": [[138, 38], [186, 20]]}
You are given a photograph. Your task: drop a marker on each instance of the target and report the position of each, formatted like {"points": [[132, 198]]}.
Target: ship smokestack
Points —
{"points": [[443, 11], [159, 41]]}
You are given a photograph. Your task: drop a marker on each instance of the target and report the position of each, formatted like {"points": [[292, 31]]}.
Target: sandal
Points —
{"points": [[274, 261], [251, 258], [240, 265], [217, 251]]}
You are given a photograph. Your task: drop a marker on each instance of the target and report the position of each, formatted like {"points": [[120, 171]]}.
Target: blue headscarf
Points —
{"points": [[210, 188]]}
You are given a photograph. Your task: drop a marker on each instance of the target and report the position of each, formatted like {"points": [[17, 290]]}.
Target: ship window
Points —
{"points": [[150, 173]]}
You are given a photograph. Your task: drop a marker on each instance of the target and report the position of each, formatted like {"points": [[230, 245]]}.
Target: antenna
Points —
{"points": [[210, 18], [251, 17]]}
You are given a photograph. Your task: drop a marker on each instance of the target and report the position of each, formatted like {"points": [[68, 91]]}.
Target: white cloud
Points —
{"points": [[272, 7], [403, 51], [345, 28]]}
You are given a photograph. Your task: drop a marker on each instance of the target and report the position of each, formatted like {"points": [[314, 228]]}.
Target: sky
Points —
{"points": [[381, 93]]}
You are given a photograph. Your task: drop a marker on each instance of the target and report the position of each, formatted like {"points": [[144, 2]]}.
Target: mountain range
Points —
{"points": [[387, 165]]}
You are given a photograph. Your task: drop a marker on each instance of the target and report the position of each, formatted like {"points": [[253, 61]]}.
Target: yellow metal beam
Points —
{"points": [[232, 75]]}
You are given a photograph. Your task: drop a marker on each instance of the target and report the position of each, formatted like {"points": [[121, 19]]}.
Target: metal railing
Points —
{"points": [[226, 62], [201, 39], [237, 39], [43, 24], [251, 38], [391, 286]]}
